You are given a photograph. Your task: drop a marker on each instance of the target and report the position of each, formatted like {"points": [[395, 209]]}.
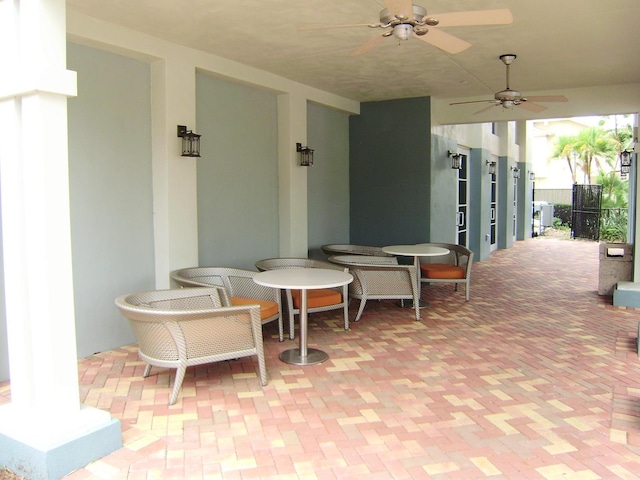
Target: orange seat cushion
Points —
{"points": [[267, 307], [441, 270], [321, 297]]}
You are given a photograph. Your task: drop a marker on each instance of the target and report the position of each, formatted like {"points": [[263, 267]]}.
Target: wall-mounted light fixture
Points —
{"points": [[625, 162], [492, 167], [306, 155], [532, 175], [456, 160], [190, 142], [516, 172]]}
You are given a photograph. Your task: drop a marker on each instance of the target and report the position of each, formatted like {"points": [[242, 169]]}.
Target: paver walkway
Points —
{"points": [[537, 377]]}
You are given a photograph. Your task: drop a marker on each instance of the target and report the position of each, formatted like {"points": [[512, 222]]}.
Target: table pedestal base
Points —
{"points": [[409, 303], [314, 356]]}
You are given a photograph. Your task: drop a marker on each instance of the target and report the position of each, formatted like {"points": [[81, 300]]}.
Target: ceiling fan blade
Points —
{"points": [[326, 27], [532, 107], [480, 17], [444, 41], [548, 98], [472, 101], [374, 42], [485, 109], [400, 8]]}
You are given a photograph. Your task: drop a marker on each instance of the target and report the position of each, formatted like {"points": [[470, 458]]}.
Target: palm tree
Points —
{"points": [[564, 148], [595, 146]]}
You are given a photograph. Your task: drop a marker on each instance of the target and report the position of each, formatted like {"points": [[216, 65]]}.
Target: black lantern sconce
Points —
{"points": [[516, 172], [190, 142], [306, 155], [625, 162], [532, 175], [492, 167], [456, 160]]}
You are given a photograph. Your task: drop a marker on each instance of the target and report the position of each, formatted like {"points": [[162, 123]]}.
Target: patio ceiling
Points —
{"points": [[571, 44]]}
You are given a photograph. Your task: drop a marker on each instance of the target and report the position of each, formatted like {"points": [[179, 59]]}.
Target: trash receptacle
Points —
{"points": [[615, 266]]}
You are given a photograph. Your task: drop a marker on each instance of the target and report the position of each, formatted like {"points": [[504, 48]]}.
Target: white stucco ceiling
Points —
{"points": [[561, 44]]}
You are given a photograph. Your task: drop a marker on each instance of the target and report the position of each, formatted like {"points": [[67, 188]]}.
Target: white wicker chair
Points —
{"points": [[379, 278], [316, 303], [179, 328], [240, 289], [453, 268], [350, 249]]}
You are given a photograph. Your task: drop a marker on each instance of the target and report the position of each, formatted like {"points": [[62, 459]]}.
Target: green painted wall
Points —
{"points": [[328, 179], [444, 191], [479, 203], [389, 172], [237, 173], [110, 192]]}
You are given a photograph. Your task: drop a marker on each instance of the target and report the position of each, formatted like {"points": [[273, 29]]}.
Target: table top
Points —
{"points": [[305, 278], [419, 250]]}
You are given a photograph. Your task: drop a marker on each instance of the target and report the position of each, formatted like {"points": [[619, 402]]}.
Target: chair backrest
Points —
{"points": [[458, 255], [378, 275], [351, 249], [236, 281], [287, 262]]}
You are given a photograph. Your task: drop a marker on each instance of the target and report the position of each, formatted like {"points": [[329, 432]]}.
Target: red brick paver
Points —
{"points": [[537, 377]]}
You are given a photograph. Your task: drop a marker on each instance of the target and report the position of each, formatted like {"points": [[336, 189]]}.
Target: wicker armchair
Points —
{"points": [[379, 278], [453, 268], [184, 327], [319, 300], [350, 249], [239, 287]]}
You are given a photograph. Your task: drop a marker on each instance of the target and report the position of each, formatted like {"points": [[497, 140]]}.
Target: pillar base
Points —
{"points": [[50, 453], [627, 294]]}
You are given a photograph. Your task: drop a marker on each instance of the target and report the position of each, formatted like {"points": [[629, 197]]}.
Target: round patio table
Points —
{"points": [[303, 279], [416, 251]]}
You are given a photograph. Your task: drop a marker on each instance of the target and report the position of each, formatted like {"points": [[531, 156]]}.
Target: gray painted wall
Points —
{"points": [[237, 173], [110, 192], [328, 179], [389, 174]]}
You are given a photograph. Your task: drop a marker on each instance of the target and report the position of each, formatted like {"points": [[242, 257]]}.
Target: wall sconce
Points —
{"points": [[532, 175], [306, 155], [190, 142], [516, 172], [456, 160], [492, 167], [625, 163]]}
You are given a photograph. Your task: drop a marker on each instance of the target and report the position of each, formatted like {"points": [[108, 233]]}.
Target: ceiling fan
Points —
{"points": [[402, 20], [509, 98]]}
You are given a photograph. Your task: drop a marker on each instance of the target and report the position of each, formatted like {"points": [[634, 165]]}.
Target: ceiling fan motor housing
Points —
{"points": [[418, 14]]}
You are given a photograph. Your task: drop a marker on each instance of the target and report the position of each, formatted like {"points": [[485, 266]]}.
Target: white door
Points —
{"points": [[463, 199]]}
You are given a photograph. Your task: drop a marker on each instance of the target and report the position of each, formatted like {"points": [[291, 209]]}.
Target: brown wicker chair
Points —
{"points": [[240, 289], [453, 268], [179, 328], [319, 300], [379, 278]]}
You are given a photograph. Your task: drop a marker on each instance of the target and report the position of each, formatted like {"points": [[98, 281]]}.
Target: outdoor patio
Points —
{"points": [[536, 377]]}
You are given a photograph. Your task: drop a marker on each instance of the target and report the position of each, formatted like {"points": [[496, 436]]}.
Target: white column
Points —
{"points": [[292, 178], [45, 410], [175, 196]]}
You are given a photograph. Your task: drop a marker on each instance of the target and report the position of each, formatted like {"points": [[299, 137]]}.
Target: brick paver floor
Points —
{"points": [[537, 377]]}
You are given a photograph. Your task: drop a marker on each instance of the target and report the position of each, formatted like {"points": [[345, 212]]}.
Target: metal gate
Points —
{"points": [[585, 214]]}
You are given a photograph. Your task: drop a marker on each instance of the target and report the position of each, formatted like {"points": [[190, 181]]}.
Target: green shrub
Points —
{"points": [[613, 225]]}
